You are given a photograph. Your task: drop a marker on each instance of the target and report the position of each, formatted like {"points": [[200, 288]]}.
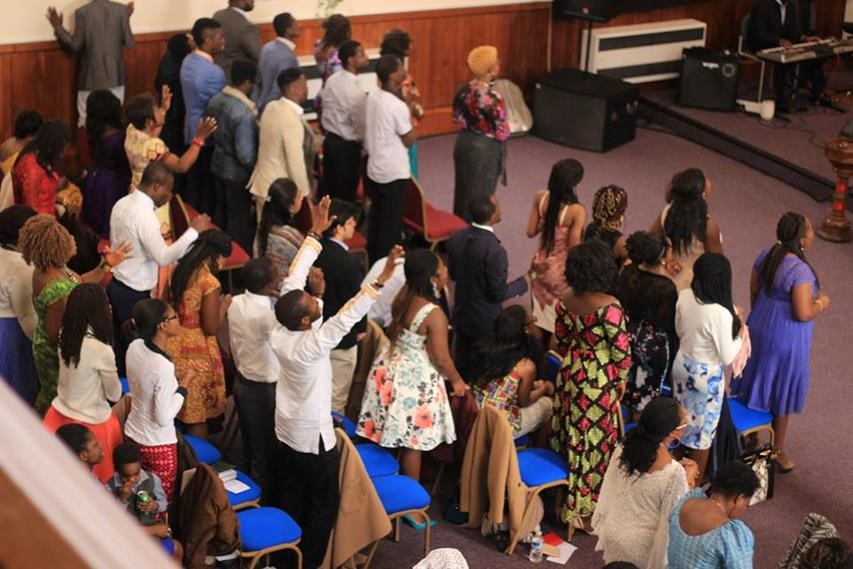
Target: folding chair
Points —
{"points": [[377, 461], [266, 530], [434, 225], [749, 421], [401, 496], [742, 51]]}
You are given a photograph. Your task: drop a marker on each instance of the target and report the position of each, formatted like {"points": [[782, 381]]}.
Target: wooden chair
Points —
{"points": [[433, 224]]}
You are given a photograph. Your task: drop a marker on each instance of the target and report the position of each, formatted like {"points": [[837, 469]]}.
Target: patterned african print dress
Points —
{"points": [[596, 359], [45, 353], [195, 351]]}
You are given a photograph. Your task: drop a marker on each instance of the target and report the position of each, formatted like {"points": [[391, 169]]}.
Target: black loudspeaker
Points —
{"points": [[590, 112], [597, 10], [708, 80]]}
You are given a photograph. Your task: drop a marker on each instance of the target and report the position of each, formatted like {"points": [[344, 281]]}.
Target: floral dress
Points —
{"points": [[46, 354], [405, 401], [195, 351], [596, 358]]}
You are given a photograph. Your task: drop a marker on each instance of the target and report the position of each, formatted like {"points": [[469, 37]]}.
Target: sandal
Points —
{"points": [[785, 465], [420, 526]]}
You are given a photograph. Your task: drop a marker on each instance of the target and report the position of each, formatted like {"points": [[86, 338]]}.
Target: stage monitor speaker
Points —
{"points": [[590, 112], [597, 10], [708, 80]]}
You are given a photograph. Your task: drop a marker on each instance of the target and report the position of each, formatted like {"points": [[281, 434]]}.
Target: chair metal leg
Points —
{"points": [[397, 530], [426, 534], [370, 555], [761, 82]]}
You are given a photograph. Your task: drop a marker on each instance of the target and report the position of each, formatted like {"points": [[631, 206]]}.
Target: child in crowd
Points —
{"points": [[81, 440], [141, 493]]}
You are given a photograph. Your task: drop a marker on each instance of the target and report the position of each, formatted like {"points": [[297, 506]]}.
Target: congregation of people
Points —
{"points": [[122, 274]]}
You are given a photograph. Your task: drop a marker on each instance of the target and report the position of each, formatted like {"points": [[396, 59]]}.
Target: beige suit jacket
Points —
{"points": [[281, 151]]}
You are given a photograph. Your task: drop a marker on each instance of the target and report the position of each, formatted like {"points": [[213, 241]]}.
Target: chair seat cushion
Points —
{"points": [[250, 495], [261, 528], [347, 424], [541, 466], [377, 460], [745, 418], [442, 224], [206, 452], [400, 493], [125, 385]]}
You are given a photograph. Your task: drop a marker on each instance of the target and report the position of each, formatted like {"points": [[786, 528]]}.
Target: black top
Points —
{"points": [[766, 27], [169, 73], [343, 277], [648, 297]]}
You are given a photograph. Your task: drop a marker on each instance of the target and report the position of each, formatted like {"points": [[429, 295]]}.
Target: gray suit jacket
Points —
{"points": [[242, 39], [101, 29]]}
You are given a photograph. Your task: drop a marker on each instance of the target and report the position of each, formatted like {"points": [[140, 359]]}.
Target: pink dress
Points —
{"points": [[551, 285]]}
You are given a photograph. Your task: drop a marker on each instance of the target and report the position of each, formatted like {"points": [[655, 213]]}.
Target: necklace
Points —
{"points": [[70, 275]]}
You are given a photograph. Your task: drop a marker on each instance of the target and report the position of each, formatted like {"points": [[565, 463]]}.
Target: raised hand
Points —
{"points": [[397, 252], [130, 8], [316, 281], [165, 98], [320, 216], [54, 17]]}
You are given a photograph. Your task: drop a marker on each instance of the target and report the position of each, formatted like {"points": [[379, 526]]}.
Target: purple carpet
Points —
{"points": [[747, 205]]}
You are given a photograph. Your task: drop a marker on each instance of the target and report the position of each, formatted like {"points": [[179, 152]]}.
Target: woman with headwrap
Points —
{"points": [[479, 155]]}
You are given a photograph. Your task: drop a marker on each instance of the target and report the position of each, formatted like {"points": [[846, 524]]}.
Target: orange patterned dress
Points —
{"points": [[193, 350]]}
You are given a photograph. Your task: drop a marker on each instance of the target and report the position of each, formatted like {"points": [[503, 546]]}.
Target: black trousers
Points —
{"points": [[308, 491], [809, 73], [341, 167], [464, 355], [198, 190], [256, 413], [234, 211], [122, 299], [387, 205]]}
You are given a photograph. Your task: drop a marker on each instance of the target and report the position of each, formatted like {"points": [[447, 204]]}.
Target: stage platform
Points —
{"points": [[790, 151]]}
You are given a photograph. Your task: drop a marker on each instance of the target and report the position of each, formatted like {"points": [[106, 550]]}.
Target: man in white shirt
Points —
{"points": [[343, 120], [381, 311], [251, 320], [306, 458], [276, 56], [388, 134], [285, 145], [134, 221]]}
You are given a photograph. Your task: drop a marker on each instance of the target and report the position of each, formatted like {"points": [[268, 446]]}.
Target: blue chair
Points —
{"points": [[540, 469], [625, 425], [347, 424], [522, 442], [377, 461], [748, 421], [125, 385], [553, 363], [265, 530], [401, 496], [204, 451], [247, 498]]}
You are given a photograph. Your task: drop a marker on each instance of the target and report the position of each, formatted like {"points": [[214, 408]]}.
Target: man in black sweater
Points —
{"points": [[343, 277], [478, 264], [777, 23]]}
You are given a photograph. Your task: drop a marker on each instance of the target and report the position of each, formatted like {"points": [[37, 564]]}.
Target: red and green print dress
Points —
{"points": [[596, 359]]}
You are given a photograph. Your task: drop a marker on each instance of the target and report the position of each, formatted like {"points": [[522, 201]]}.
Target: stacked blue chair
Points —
{"points": [[401, 496], [748, 421], [210, 455], [265, 530]]}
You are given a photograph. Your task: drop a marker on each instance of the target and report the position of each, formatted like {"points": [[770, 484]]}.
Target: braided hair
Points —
{"points": [[790, 229], [687, 217], [608, 207], [640, 447], [565, 176]]}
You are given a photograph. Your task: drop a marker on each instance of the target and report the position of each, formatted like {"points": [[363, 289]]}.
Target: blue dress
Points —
{"points": [[776, 377], [729, 546]]}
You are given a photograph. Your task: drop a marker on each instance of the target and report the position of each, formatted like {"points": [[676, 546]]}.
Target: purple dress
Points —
{"points": [[107, 182], [776, 377]]}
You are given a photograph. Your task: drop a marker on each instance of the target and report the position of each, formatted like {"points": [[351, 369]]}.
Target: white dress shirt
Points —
{"points": [[83, 390], [387, 119], [488, 228], [705, 330], [381, 311], [303, 399], [251, 320], [157, 399], [344, 104], [16, 290], [134, 220]]}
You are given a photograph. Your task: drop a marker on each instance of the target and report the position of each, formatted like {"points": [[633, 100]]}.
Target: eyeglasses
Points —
{"points": [[168, 319]]}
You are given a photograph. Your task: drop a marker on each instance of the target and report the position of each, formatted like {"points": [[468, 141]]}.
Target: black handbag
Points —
{"points": [[764, 465]]}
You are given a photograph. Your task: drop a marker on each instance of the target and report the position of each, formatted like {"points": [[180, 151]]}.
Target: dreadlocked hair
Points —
{"points": [[420, 267], [712, 284], [687, 218], [88, 308], [565, 176], [789, 230], [44, 243], [608, 207], [206, 250]]}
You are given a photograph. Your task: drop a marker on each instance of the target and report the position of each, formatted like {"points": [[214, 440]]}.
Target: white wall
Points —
{"points": [[28, 23], [848, 13]]}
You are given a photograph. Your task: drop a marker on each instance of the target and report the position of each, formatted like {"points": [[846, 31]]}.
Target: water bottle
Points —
{"points": [[536, 547]]}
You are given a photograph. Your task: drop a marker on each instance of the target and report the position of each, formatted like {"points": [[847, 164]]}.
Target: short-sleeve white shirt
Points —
{"points": [[388, 118]]}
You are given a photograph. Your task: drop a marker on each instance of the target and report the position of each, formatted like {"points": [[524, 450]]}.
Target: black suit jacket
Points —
{"points": [[478, 263], [343, 281], [766, 27]]}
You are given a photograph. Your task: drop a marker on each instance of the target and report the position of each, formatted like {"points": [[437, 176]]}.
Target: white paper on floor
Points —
{"points": [[566, 551]]}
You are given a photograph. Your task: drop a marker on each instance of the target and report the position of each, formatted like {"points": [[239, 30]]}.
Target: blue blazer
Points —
{"points": [[478, 263], [275, 58], [200, 80]]}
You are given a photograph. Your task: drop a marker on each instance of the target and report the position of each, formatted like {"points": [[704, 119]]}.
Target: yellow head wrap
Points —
{"points": [[482, 59]]}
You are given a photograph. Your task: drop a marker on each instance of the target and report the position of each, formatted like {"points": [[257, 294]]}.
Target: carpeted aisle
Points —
{"points": [[747, 205]]}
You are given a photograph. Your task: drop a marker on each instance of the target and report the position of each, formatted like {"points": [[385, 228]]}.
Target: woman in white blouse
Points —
{"points": [[711, 334], [17, 314], [88, 379], [641, 486], [157, 394]]}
